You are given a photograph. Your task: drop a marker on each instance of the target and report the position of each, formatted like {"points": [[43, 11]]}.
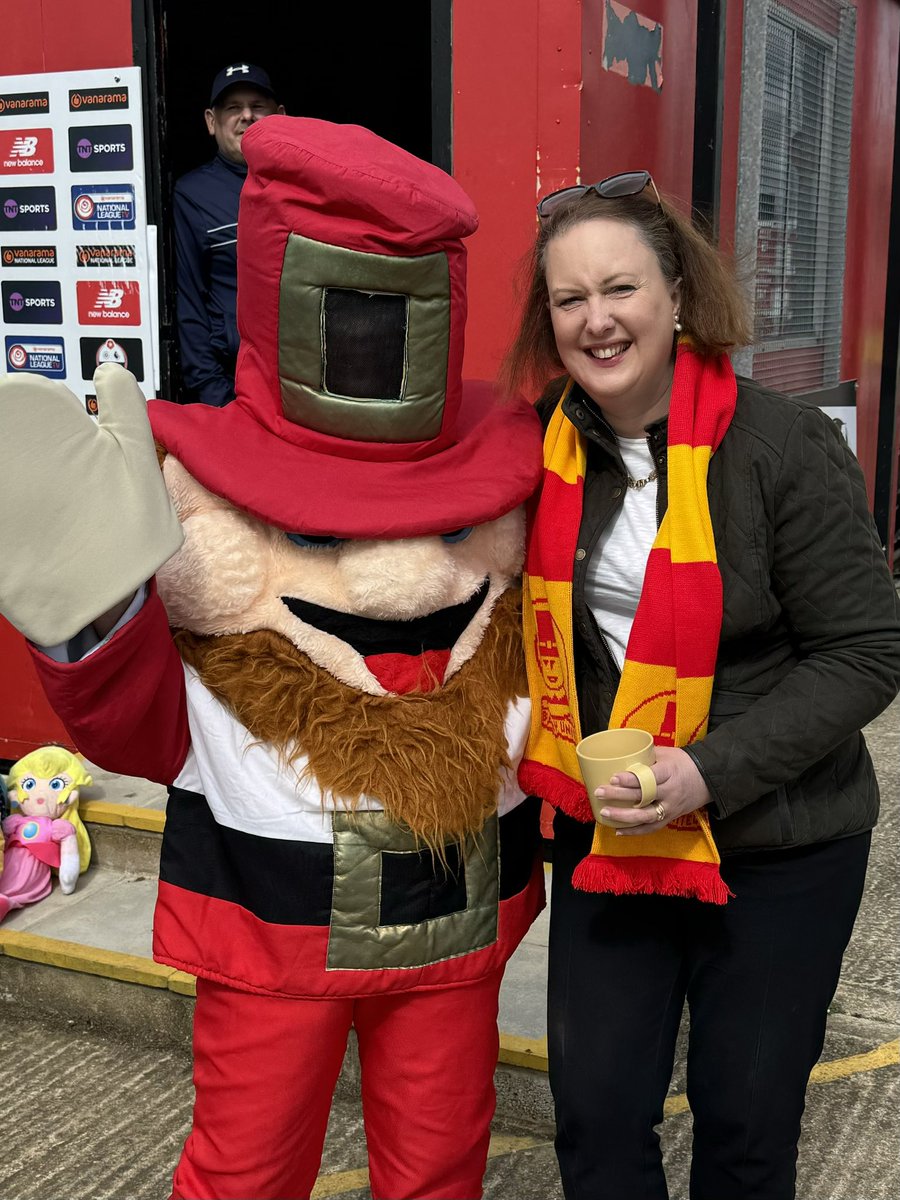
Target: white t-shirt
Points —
{"points": [[615, 572]]}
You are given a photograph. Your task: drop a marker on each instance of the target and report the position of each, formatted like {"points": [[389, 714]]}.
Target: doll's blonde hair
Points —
{"points": [[46, 762]]}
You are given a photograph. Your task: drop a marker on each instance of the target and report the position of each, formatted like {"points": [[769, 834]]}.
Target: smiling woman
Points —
{"points": [[701, 566]]}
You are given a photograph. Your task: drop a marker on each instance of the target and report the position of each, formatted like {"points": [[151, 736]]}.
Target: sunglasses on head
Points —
{"points": [[629, 183]]}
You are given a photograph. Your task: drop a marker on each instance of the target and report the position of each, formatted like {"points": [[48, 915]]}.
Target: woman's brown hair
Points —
{"points": [[713, 309]]}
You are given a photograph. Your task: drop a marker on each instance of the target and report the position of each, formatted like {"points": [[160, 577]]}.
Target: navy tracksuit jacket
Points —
{"points": [[205, 203]]}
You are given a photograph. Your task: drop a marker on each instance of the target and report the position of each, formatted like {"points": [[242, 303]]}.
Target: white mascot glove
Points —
{"points": [[85, 518], [69, 865]]}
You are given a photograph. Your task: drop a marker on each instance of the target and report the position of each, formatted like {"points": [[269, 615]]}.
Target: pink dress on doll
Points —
{"points": [[32, 848]]}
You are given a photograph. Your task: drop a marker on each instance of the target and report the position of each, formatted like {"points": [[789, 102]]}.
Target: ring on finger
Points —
{"points": [[660, 811]]}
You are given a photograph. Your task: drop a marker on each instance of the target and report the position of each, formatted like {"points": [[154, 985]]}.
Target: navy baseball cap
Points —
{"points": [[240, 73]]}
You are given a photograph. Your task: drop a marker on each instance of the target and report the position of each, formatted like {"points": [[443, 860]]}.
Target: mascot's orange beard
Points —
{"points": [[431, 759]]}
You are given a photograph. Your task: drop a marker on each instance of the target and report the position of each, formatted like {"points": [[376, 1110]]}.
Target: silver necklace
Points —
{"points": [[639, 483]]}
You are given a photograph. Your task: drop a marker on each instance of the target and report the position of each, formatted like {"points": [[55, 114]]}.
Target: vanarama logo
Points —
{"points": [[14, 103], [28, 256], [105, 256], [98, 98]]}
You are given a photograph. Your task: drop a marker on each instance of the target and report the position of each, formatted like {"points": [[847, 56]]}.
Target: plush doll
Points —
{"points": [[4, 813], [44, 829], [311, 633]]}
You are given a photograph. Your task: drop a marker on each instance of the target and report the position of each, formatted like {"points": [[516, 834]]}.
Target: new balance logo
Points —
{"points": [[23, 147], [109, 297]]}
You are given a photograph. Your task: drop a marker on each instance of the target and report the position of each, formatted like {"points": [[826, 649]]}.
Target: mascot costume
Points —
{"points": [[306, 624]]}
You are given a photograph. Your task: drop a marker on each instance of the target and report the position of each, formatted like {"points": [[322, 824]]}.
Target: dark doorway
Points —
{"points": [[383, 66]]}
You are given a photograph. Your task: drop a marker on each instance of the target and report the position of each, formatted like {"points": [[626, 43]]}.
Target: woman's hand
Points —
{"points": [[680, 789]]}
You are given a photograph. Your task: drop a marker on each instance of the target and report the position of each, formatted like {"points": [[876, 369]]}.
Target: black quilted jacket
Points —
{"points": [[810, 642]]}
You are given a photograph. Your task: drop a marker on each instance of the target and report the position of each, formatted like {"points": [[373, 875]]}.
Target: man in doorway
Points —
{"points": [[205, 214]]}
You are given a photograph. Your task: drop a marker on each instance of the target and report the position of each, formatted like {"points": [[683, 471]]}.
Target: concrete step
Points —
{"points": [[87, 957]]}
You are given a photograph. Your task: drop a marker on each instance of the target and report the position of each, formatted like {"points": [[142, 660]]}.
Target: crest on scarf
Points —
{"points": [[556, 709]]}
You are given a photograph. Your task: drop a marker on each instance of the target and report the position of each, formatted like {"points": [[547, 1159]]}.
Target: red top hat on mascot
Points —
{"points": [[351, 417]]}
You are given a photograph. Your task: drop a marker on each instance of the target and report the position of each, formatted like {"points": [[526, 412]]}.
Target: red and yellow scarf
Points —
{"points": [[667, 677]]}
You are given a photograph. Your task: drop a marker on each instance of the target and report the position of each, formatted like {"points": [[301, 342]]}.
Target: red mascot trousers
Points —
{"points": [[265, 1069]]}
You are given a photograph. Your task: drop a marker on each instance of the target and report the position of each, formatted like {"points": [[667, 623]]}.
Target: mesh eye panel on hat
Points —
{"points": [[364, 343], [628, 183]]}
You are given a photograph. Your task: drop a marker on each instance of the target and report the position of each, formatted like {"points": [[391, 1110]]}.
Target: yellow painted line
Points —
{"points": [[523, 1052], [675, 1105], [183, 983], [342, 1182], [339, 1183], [89, 960], [513, 1145], [131, 816], [100, 812], [885, 1055]]}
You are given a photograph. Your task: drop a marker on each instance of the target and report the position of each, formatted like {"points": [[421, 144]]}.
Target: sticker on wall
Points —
{"points": [[32, 302], [100, 148], [127, 352], [23, 104], [28, 256], [27, 208], [26, 151], [39, 355], [108, 302], [105, 256], [82, 99], [632, 45], [103, 206]]}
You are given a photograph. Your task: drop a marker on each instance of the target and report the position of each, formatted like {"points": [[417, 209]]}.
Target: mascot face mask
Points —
{"points": [[356, 511]]}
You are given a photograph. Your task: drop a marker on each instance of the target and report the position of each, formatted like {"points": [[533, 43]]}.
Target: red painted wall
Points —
{"points": [[48, 35], [627, 126], [516, 81], [871, 162], [59, 35]]}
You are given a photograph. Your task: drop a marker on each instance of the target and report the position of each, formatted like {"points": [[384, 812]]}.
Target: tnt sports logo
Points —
{"points": [[24, 151], [38, 355], [108, 301], [38, 303], [103, 207], [101, 148], [28, 208]]}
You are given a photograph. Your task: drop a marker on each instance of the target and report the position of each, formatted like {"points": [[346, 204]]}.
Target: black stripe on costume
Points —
{"points": [[290, 883]]}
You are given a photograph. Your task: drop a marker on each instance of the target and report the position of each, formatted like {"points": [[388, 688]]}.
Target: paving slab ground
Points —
{"points": [[96, 1118], [95, 1113]]}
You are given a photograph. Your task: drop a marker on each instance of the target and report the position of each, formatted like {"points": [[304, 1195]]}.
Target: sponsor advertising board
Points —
{"points": [[77, 275]]}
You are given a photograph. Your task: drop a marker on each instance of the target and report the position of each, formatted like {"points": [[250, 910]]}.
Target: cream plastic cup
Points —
{"points": [[609, 752]]}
